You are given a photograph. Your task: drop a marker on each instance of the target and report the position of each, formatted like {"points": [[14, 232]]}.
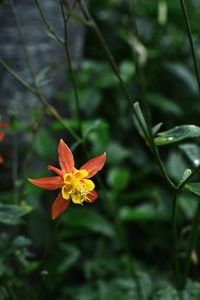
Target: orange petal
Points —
{"points": [[94, 165], [2, 135], [48, 183], [66, 158], [91, 196], [59, 206], [1, 159], [56, 170]]}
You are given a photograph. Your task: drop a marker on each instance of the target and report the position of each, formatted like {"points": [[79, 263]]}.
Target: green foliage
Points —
{"points": [[120, 247]]}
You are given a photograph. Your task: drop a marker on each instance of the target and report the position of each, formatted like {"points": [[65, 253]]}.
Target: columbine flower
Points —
{"points": [[74, 184], [2, 136]]}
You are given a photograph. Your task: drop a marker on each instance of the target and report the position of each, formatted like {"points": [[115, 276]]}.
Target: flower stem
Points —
{"points": [[193, 241], [189, 33], [71, 71], [175, 239]]}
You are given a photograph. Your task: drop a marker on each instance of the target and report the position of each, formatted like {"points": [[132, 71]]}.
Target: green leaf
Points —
{"points": [[168, 293], [86, 218], [144, 212], [42, 77], [140, 122], [193, 187], [79, 19], [44, 144], [119, 178], [156, 128], [11, 214], [192, 152], [186, 174], [177, 134]]}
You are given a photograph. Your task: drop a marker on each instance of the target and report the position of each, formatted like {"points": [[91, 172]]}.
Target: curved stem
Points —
{"points": [[175, 239]]}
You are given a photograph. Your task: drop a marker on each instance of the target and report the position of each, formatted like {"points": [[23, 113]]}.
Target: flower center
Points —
{"points": [[76, 187]]}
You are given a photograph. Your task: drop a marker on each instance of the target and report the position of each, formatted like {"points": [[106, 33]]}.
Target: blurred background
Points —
{"points": [[118, 248]]}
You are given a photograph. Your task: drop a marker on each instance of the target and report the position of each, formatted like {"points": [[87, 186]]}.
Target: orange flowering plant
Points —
{"points": [[2, 136], [75, 184]]}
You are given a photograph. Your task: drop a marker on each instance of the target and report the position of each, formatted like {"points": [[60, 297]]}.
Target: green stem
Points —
{"points": [[17, 77], [71, 71], [193, 241], [148, 135], [175, 239], [26, 55], [189, 33], [46, 22]]}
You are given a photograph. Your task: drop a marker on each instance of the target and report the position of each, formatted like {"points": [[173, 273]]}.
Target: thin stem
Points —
{"points": [[26, 55], [193, 241], [71, 71], [46, 22], [148, 135], [189, 33], [175, 239], [17, 77]]}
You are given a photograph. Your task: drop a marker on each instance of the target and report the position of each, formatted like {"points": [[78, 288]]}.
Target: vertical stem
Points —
{"points": [[71, 71], [193, 241], [175, 239], [148, 135], [189, 33]]}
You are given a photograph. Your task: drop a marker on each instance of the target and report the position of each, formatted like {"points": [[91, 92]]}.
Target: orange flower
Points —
{"points": [[2, 136], [74, 184]]}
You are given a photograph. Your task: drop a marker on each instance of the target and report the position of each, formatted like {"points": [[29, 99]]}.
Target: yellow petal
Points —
{"points": [[66, 192], [76, 198], [67, 178], [80, 174], [89, 184]]}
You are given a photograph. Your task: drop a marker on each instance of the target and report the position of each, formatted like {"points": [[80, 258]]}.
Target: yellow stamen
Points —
{"points": [[76, 187]]}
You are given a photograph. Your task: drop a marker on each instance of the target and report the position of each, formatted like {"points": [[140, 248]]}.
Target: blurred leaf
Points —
{"points": [[192, 151], [185, 74], [191, 292], [168, 293], [193, 187], [11, 214], [42, 77], [186, 174], [79, 18], [156, 128], [117, 153], [188, 204], [143, 212], [164, 104], [140, 122], [127, 70], [118, 178], [176, 165], [86, 218], [44, 145], [177, 134]]}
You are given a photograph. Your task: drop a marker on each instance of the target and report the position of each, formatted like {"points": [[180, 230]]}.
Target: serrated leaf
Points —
{"points": [[11, 214], [193, 187], [177, 134]]}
